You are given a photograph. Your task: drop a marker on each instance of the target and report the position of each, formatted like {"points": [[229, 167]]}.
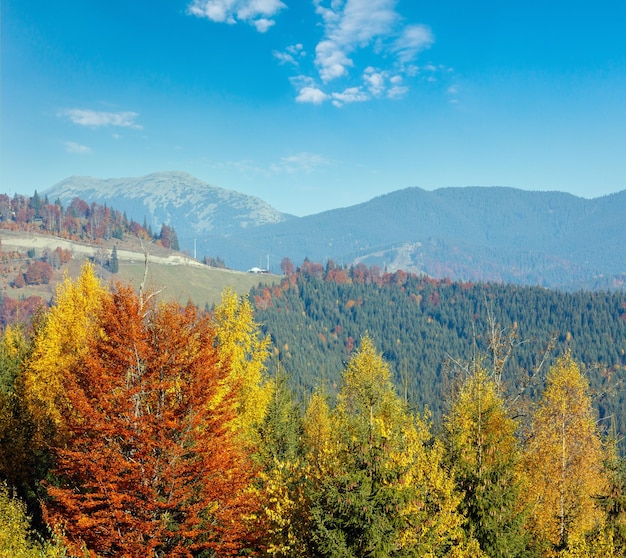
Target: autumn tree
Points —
{"points": [[38, 273], [17, 538], [60, 340], [378, 487], [564, 463], [484, 455], [282, 477], [287, 267], [243, 350], [149, 465]]}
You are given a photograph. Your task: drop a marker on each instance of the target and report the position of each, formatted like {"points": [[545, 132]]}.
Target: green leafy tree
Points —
{"points": [[23, 460]]}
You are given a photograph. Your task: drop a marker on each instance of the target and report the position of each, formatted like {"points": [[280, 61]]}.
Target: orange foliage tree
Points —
{"points": [[149, 466]]}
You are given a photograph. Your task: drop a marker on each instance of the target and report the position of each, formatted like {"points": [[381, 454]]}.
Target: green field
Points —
{"points": [[203, 286]]}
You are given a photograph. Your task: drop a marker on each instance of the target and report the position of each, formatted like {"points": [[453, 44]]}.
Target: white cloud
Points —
{"points": [[397, 91], [349, 95], [311, 95], [77, 148], [300, 162], [414, 38], [331, 60], [93, 118], [290, 55], [354, 31], [375, 81], [348, 26], [263, 24], [259, 13]]}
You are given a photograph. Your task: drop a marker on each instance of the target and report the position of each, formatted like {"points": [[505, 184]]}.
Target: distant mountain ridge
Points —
{"points": [[475, 233], [193, 207], [551, 239]]}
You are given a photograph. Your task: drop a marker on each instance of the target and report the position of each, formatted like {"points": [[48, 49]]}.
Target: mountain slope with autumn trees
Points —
{"points": [[40, 241], [424, 327], [552, 239], [131, 425]]}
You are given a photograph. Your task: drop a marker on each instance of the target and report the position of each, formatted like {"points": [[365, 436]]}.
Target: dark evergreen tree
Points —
{"points": [[114, 264], [484, 456], [35, 203]]}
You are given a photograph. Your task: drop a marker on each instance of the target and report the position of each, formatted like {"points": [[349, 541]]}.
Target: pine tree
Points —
{"points": [[614, 501], [114, 266], [282, 477], [485, 458], [378, 487]]}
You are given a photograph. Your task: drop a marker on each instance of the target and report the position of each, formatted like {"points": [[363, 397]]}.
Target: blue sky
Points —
{"points": [[316, 104]]}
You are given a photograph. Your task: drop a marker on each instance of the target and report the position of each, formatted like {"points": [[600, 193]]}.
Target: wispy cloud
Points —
{"points": [[299, 162], [291, 55], [77, 148], [350, 95], [259, 13], [302, 162], [414, 38], [95, 119]]}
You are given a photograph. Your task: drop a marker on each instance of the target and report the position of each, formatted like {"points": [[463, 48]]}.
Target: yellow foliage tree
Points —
{"points": [[377, 485], [485, 456], [243, 350], [60, 341], [17, 540], [13, 348], [564, 463]]}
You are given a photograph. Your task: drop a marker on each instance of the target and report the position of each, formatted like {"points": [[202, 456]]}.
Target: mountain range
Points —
{"points": [[550, 239]]}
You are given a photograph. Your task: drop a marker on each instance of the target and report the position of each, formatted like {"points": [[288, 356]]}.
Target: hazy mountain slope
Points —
{"points": [[501, 234], [505, 234], [193, 207]]}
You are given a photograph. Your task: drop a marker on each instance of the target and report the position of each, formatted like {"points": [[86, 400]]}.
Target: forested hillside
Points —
{"points": [[550, 239], [425, 328], [133, 426], [78, 220]]}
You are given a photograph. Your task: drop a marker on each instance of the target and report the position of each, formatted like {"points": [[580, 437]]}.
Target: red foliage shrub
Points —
{"points": [[38, 273]]}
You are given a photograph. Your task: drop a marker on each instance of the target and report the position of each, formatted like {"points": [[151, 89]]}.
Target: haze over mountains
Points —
{"points": [[502, 234], [192, 206]]}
